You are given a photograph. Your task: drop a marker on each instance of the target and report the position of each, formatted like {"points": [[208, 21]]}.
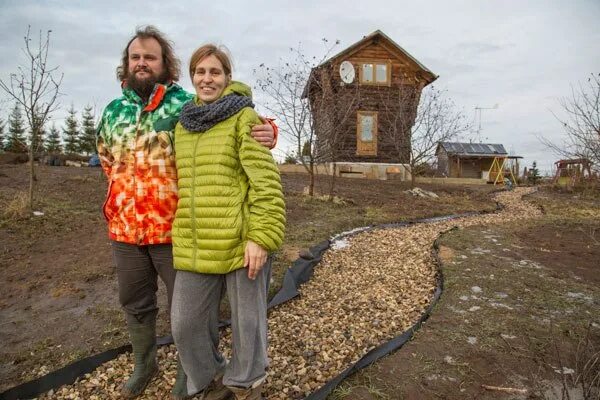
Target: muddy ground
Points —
{"points": [[58, 298], [519, 317]]}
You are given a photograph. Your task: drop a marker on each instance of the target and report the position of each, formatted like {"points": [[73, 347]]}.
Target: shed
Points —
{"points": [[364, 100], [471, 160]]}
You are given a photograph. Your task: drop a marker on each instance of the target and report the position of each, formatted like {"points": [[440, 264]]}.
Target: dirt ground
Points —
{"points": [[58, 299], [520, 314]]}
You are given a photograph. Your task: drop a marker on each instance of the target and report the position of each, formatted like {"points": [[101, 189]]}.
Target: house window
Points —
{"points": [[366, 133], [375, 73]]}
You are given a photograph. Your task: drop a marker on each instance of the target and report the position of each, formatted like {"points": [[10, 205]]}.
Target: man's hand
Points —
{"points": [[264, 134], [254, 259]]}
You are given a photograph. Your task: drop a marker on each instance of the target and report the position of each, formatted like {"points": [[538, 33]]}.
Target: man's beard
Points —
{"points": [[144, 87]]}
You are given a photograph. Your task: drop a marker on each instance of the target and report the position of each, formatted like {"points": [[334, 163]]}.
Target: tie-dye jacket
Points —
{"points": [[135, 146]]}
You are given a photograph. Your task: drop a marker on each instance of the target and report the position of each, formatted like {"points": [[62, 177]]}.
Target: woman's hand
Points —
{"points": [[264, 134], [254, 259]]}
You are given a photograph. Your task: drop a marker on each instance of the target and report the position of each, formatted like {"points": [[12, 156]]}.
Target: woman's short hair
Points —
{"points": [[211, 50], [170, 61]]}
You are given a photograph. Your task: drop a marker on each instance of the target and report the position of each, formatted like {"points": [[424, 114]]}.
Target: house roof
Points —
{"points": [[473, 149], [430, 76]]}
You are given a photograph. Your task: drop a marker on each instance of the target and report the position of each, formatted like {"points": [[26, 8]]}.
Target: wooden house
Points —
{"points": [[364, 100], [486, 161]]}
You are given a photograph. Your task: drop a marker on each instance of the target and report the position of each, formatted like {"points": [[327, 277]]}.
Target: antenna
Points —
{"points": [[477, 121]]}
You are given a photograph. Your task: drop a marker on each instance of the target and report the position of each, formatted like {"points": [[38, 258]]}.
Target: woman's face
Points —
{"points": [[209, 79]]}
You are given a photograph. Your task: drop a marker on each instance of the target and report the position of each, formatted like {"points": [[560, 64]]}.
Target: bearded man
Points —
{"points": [[135, 147]]}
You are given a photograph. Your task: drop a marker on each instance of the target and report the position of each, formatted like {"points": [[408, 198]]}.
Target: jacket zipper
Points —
{"points": [[193, 201], [137, 130]]}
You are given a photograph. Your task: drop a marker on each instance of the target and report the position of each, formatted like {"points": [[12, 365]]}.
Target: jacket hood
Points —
{"points": [[234, 87]]}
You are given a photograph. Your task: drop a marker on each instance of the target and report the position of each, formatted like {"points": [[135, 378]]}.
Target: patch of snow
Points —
{"points": [[504, 336], [38, 213], [475, 308], [464, 298], [500, 295], [500, 305], [463, 256], [476, 289], [339, 244], [449, 360], [347, 233], [472, 340], [564, 371]]}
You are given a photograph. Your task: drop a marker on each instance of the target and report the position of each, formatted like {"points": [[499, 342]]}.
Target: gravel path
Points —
{"points": [[361, 295]]}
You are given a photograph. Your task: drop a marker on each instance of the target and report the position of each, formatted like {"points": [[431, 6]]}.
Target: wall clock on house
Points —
{"points": [[347, 72]]}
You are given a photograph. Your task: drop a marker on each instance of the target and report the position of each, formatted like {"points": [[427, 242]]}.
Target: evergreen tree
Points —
{"points": [[37, 141], [16, 132], [53, 142], [534, 174], [71, 132], [2, 135], [87, 142]]}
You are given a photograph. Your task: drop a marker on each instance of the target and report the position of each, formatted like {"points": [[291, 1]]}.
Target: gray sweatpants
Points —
{"points": [[195, 318]]}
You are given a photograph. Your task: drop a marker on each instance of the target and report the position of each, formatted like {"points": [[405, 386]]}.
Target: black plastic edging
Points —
{"points": [[300, 272]]}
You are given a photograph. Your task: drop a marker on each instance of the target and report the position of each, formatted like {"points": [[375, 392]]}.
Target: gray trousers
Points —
{"points": [[195, 319], [138, 268]]}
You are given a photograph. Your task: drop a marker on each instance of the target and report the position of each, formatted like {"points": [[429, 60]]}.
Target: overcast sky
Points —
{"points": [[522, 55]]}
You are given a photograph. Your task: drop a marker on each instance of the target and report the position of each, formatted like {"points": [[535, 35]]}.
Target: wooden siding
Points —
{"points": [[345, 100]]}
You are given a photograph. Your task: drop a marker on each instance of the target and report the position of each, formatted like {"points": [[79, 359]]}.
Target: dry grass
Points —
{"points": [[17, 208]]}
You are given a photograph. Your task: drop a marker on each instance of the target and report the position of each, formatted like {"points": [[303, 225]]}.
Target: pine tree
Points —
{"points": [[37, 140], [71, 132], [2, 136], [53, 142], [534, 174], [16, 132], [87, 142]]}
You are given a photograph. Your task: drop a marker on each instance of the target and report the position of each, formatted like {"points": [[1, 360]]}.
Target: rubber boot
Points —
{"points": [[251, 393], [143, 341], [179, 391]]}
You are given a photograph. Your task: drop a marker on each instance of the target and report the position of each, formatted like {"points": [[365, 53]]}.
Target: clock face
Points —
{"points": [[347, 72]]}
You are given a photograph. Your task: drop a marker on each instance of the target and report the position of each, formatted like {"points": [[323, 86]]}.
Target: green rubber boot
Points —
{"points": [[179, 391], [143, 341]]}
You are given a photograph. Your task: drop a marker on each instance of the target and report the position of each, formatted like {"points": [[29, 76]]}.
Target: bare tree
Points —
{"points": [[285, 88], [581, 123], [416, 131], [36, 89], [331, 106]]}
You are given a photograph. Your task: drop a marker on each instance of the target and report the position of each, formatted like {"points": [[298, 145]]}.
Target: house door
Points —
{"points": [[366, 133]]}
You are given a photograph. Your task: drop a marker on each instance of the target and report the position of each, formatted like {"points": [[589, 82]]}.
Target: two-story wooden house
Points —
{"points": [[364, 100]]}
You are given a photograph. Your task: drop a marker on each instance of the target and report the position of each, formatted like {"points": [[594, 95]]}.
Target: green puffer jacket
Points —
{"points": [[229, 193]]}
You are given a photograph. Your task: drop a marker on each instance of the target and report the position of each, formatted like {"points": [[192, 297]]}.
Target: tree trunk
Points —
{"points": [[31, 180], [332, 182], [311, 185], [413, 177]]}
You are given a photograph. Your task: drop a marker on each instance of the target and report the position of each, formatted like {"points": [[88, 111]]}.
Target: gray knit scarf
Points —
{"points": [[200, 118]]}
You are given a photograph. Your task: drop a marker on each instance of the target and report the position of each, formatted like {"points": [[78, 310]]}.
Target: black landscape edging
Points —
{"points": [[300, 272]]}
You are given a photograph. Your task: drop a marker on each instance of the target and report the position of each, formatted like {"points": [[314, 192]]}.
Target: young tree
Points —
{"points": [[284, 87], [87, 143], [15, 142], [2, 135], [534, 174], [71, 132], [53, 141], [35, 88], [580, 122], [417, 133]]}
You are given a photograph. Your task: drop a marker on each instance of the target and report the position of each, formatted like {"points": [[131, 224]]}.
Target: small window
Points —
{"points": [[367, 73], [381, 73], [375, 73], [367, 123]]}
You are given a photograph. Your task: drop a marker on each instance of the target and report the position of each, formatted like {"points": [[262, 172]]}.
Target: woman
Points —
{"points": [[230, 214]]}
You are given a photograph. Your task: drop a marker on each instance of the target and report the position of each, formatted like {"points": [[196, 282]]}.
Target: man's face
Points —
{"points": [[146, 67]]}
